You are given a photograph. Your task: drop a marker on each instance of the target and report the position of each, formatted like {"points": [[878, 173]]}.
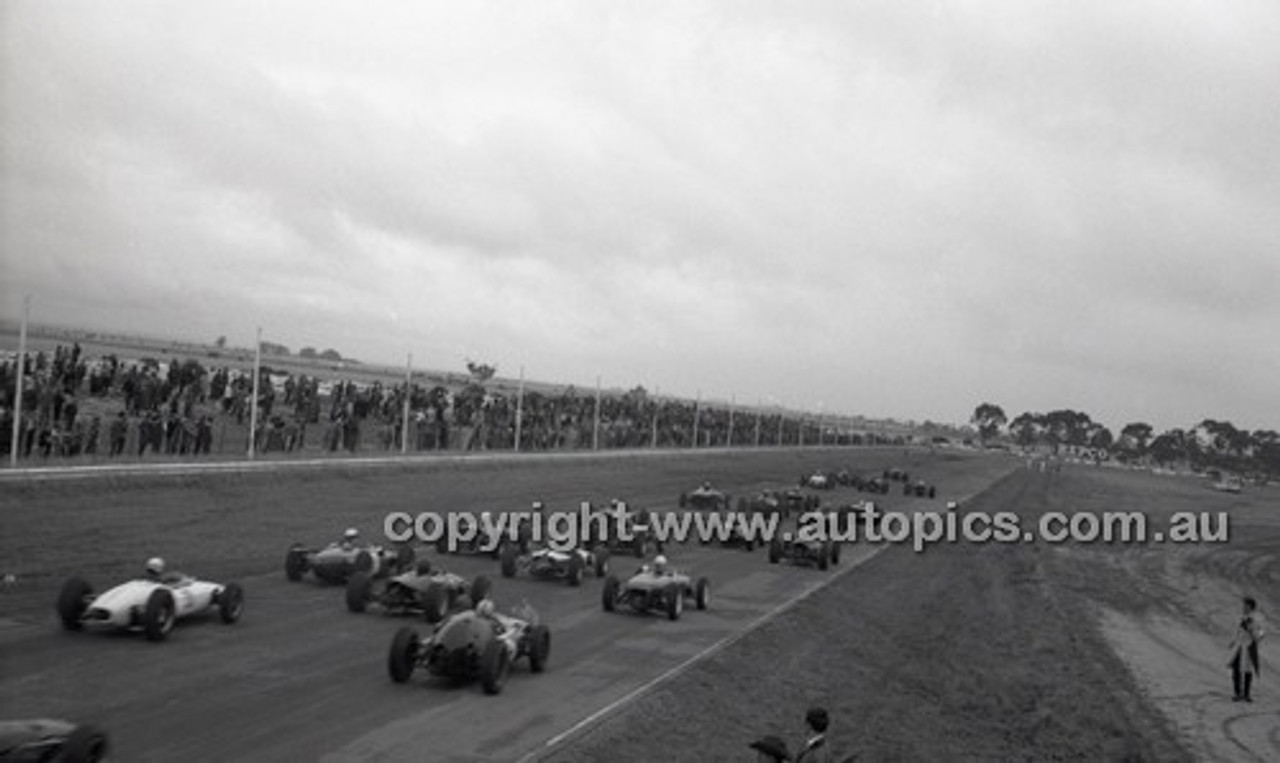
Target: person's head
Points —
{"points": [[350, 536], [537, 506], [660, 564], [155, 568], [1250, 604], [770, 749], [485, 608], [816, 719]]}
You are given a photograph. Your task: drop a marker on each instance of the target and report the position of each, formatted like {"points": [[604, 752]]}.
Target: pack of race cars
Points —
{"points": [[467, 637]]}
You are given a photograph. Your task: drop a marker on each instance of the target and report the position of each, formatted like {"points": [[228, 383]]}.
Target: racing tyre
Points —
{"points": [[364, 563], [358, 589], [835, 553], [539, 647], [824, 556], [775, 551], [609, 597], [85, 744], [403, 655], [602, 562], [72, 602], [405, 557], [702, 593], [933, 491], [575, 570], [637, 546], [435, 603], [509, 552], [480, 588], [442, 544], [157, 618], [742, 505], [675, 603], [684, 500], [494, 666], [295, 563], [231, 603]]}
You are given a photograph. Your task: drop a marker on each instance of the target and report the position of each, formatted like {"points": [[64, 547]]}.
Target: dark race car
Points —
{"points": [[808, 553], [430, 591], [336, 562], [705, 497], [919, 489], [800, 501], [470, 644], [638, 539], [549, 563], [897, 474], [481, 542], [656, 589], [45, 740]]}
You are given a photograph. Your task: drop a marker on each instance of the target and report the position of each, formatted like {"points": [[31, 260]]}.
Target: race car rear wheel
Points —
{"points": [[824, 556], [509, 554], [365, 562], [602, 562], [702, 593], [494, 666], [405, 557], [539, 647], [403, 655], [480, 588], [775, 551], [835, 553], [73, 601], [295, 563], [230, 603], [637, 546], [609, 596], [157, 618], [359, 588], [574, 573], [675, 602], [435, 603]]}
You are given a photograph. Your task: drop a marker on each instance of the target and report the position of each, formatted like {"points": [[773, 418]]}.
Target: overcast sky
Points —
{"points": [[887, 208]]}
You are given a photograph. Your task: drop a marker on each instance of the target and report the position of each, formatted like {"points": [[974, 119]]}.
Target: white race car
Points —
{"points": [[152, 606]]}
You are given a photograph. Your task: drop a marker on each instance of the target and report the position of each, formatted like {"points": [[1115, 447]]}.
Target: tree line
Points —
{"points": [[1210, 444]]}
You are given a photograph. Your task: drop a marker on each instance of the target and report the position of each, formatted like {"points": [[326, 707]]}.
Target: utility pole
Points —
{"points": [[519, 409], [21, 370], [408, 388], [253, 404]]}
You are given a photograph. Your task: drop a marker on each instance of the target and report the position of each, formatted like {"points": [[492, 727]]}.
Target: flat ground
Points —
{"points": [[964, 651]]}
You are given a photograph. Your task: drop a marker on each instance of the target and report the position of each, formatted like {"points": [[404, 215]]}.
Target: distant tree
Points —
{"points": [[1170, 447], [481, 372], [307, 352], [271, 348], [1027, 428], [220, 342], [331, 354], [1135, 436], [988, 418]]}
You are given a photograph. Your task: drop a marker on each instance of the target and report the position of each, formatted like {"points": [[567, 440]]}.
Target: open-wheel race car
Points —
{"points": [[473, 643], [152, 604], [47, 740], [430, 591], [336, 562], [818, 480], [638, 538], [655, 588], [920, 489], [873, 484], [814, 553], [897, 474], [549, 563], [482, 543], [705, 497]]}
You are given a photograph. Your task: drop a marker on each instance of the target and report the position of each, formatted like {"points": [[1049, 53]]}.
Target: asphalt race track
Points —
{"points": [[300, 678]]}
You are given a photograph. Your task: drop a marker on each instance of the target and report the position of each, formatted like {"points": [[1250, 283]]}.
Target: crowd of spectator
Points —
{"points": [[106, 407]]}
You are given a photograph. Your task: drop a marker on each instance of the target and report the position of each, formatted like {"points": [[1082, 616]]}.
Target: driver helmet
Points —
{"points": [[485, 608], [660, 564], [155, 567], [350, 535], [706, 486], [537, 505]]}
